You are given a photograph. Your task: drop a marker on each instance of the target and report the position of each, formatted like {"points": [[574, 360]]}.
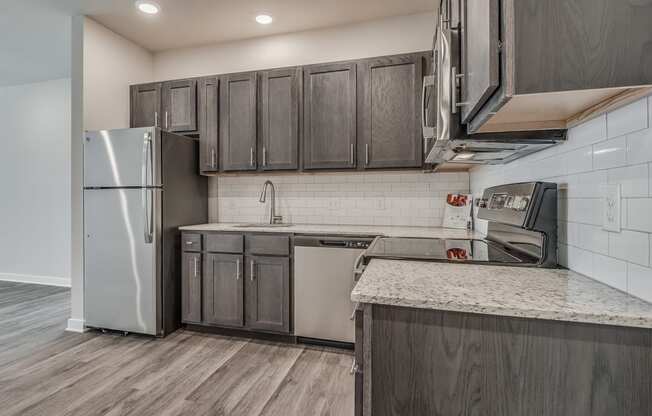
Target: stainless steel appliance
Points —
{"points": [[522, 231], [140, 185], [323, 284], [452, 143]]}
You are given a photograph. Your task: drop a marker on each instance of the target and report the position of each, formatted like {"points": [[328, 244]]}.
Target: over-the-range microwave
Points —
{"points": [[452, 142]]}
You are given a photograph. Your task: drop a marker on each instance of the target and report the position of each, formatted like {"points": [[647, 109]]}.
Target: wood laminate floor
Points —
{"points": [[47, 371]]}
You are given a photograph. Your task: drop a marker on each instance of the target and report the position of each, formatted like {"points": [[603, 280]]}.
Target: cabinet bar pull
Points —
{"points": [[251, 156], [196, 267], [237, 269], [366, 154], [253, 270], [155, 118], [352, 154], [264, 156], [354, 367], [213, 161], [167, 120]]}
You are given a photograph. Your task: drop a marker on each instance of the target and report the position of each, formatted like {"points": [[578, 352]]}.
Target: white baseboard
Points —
{"points": [[76, 325], [39, 280]]}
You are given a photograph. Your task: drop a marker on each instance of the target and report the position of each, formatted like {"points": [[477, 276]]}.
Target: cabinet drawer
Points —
{"points": [[224, 243], [191, 242], [277, 245]]}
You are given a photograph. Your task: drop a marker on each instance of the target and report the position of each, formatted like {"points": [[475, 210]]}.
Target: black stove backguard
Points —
{"points": [[523, 217]]}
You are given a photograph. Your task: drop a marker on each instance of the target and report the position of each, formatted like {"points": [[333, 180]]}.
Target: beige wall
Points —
{"points": [[375, 38], [111, 64]]}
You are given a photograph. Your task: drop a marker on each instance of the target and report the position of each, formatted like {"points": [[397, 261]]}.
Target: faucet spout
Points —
{"points": [[273, 218]]}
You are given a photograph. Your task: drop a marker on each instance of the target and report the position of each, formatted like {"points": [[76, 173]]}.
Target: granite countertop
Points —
{"points": [[554, 294], [358, 230]]}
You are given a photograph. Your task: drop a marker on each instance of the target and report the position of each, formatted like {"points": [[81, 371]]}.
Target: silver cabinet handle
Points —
{"points": [[237, 269], [196, 261], [155, 118], [352, 154], [355, 309], [167, 120], [188, 243], [354, 367], [251, 156], [253, 270], [366, 154], [264, 156], [213, 158]]}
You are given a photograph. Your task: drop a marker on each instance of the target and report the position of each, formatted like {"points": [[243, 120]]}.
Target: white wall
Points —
{"points": [[615, 148], [111, 64], [364, 198], [375, 38], [35, 182]]}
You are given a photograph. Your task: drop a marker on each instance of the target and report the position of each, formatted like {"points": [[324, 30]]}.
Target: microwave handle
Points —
{"points": [[428, 131]]}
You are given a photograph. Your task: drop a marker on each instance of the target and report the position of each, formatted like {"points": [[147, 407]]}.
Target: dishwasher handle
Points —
{"points": [[352, 242]]}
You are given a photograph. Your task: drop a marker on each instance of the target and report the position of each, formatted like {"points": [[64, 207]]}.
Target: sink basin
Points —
{"points": [[261, 225]]}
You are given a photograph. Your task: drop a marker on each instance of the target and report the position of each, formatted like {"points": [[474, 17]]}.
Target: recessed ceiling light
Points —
{"points": [[148, 7], [264, 19]]}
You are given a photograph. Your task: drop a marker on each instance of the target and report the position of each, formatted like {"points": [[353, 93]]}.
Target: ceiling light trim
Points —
{"points": [[148, 7]]}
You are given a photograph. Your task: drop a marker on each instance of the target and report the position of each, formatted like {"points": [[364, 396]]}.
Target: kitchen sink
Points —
{"points": [[262, 225]]}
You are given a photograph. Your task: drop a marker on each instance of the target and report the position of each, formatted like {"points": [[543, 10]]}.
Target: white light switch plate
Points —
{"points": [[611, 208]]}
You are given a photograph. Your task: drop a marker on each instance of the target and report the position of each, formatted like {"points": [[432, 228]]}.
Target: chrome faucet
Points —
{"points": [[273, 218]]}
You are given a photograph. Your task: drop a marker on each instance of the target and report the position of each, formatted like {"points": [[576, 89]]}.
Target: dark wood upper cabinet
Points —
{"points": [[191, 283], [209, 89], [329, 126], [238, 114], [279, 114], [480, 58], [268, 293], [389, 112], [145, 105], [180, 106], [223, 289]]}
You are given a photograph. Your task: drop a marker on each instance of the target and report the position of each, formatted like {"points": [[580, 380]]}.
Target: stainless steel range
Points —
{"points": [[522, 231]]}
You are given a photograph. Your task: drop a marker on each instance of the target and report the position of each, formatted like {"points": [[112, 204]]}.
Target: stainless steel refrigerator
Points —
{"points": [[140, 185]]}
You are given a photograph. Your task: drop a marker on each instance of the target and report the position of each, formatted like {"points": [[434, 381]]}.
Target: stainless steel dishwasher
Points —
{"points": [[323, 280]]}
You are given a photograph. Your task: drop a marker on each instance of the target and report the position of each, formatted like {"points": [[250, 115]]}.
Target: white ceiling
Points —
{"points": [[35, 34]]}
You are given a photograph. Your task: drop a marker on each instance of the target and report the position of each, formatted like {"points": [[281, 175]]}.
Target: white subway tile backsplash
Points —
{"points": [[593, 158], [591, 132], [634, 180], [610, 153], [631, 246], [639, 147], [640, 281], [639, 214], [610, 271], [632, 117], [382, 198]]}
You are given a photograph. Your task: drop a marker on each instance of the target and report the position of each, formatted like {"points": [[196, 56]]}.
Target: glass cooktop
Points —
{"points": [[453, 250]]}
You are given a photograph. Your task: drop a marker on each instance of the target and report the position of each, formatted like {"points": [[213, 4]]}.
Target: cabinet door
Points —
{"points": [[329, 129], [390, 112], [280, 119], [480, 54], [223, 290], [268, 293], [180, 106], [208, 123], [145, 105], [238, 122], [191, 287]]}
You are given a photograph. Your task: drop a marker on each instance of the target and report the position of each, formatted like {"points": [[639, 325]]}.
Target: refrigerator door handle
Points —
{"points": [[148, 214], [146, 168]]}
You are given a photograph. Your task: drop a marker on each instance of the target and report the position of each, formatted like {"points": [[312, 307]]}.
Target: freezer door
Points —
{"points": [[122, 158], [122, 258]]}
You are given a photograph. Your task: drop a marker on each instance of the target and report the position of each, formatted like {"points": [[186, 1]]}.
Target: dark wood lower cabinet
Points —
{"points": [[235, 280], [222, 302], [191, 283], [267, 293], [424, 362]]}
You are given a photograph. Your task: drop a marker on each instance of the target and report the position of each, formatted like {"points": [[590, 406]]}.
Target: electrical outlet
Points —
{"points": [[611, 208]]}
